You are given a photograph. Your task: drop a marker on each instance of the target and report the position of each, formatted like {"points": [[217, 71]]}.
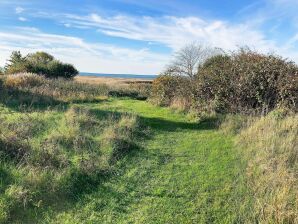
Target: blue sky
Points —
{"points": [[140, 37]]}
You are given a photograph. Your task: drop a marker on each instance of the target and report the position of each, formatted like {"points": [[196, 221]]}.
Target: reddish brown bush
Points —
{"points": [[166, 89], [248, 81]]}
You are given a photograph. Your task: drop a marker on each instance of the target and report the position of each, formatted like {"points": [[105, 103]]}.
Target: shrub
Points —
{"points": [[58, 69], [243, 81], [40, 63], [248, 81], [166, 89]]}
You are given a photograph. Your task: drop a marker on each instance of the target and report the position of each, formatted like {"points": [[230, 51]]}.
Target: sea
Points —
{"points": [[127, 76]]}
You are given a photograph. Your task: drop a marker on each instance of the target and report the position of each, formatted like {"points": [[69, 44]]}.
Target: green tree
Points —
{"points": [[16, 63], [40, 63], [40, 57], [58, 69]]}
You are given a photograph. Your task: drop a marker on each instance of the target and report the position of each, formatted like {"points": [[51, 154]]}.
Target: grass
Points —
{"points": [[270, 145], [86, 157], [184, 173]]}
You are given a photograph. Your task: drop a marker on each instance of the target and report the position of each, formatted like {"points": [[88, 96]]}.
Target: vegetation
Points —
{"points": [[82, 153], [54, 154], [270, 147], [242, 82], [34, 91], [39, 63]]}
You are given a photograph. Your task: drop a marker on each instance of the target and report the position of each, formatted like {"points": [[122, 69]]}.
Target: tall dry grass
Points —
{"points": [[38, 88], [270, 145]]}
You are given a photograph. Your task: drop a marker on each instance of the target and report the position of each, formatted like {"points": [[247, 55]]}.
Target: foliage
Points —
{"points": [[40, 63], [16, 64], [167, 89], [248, 81], [58, 69], [244, 81]]}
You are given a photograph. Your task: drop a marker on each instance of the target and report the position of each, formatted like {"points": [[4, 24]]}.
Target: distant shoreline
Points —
{"points": [[123, 76]]}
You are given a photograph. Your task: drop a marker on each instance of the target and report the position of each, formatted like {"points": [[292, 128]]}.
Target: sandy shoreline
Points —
{"points": [[110, 81]]}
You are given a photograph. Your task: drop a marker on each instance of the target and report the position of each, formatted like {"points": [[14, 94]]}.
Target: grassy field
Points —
{"points": [[183, 173], [180, 172], [86, 156]]}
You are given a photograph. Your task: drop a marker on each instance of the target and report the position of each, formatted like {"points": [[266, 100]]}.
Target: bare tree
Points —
{"points": [[189, 58]]}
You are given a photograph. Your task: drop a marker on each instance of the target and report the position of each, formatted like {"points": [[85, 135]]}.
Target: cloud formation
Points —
{"points": [[19, 10], [86, 56], [259, 28], [175, 32]]}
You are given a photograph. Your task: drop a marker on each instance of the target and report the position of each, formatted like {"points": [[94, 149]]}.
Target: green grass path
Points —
{"points": [[183, 172]]}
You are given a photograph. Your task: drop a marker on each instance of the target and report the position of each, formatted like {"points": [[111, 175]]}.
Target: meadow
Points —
{"points": [[80, 153]]}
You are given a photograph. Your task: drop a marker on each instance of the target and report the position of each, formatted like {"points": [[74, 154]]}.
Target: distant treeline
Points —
{"points": [[40, 63], [209, 80]]}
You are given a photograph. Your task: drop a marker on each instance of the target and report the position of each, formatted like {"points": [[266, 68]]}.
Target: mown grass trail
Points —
{"points": [[183, 172]]}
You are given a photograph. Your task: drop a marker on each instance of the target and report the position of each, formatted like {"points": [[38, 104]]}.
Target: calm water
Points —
{"points": [[128, 76]]}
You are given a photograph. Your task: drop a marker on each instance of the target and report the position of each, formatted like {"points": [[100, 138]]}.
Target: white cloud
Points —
{"points": [[19, 10], [86, 56], [170, 31], [175, 32], [23, 19]]}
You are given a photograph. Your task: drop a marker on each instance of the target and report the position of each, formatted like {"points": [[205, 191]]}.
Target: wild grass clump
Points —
{"points": [[270, 147], [34, 90], [140, 91], [54, 157]]}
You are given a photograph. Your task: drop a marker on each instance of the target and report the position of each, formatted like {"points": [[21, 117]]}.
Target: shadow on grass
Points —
{"points": [[127, 94], [20, 101], [82, 184], [161, 124]]}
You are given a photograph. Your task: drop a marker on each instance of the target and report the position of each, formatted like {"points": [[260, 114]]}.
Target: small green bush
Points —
{"points": [[58, 69], [40, 63], [167, 88]]}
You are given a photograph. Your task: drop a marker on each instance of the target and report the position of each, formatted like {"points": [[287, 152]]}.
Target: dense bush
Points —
{"points": [[248, 81], [39, 63], [244, 81], [168, 89]]}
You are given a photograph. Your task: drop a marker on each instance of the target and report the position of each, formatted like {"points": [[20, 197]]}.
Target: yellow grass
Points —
{"points": [[271, 147]]}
